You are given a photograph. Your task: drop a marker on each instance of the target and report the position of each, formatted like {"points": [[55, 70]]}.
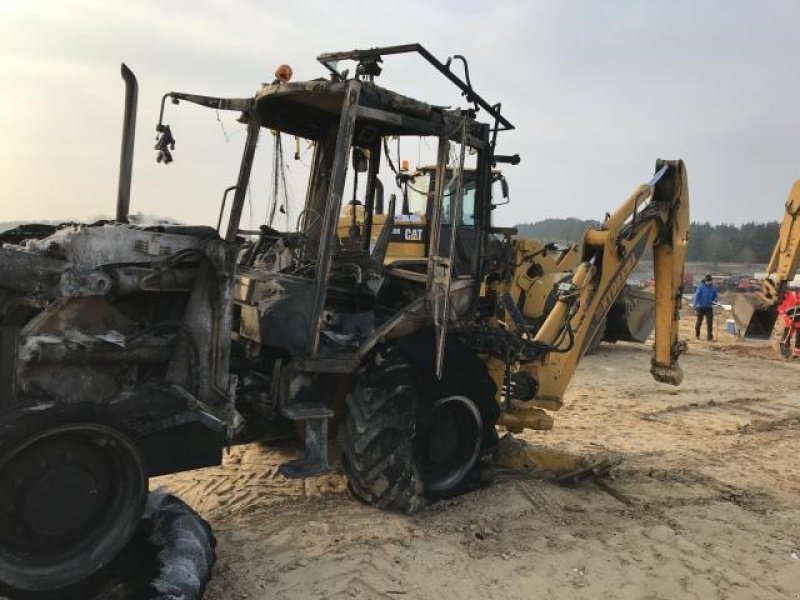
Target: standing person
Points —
{"points": [[789, 310], [703, 303]]}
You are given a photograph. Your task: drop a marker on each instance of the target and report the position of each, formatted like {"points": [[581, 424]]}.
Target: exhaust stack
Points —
{"points": [[128, 135]]}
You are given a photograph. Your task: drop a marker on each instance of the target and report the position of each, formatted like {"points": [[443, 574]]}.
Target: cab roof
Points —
{"points": [[311, 109]]}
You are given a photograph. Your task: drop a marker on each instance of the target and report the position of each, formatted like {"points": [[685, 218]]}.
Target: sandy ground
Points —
{"points": [[705, 504]]}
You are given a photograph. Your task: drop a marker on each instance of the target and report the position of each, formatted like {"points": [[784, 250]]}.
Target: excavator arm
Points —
{"points": [[755, 314], [655, 216]]}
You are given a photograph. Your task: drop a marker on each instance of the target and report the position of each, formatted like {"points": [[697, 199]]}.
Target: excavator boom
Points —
{"points": [[655, 216], [755, 314]]}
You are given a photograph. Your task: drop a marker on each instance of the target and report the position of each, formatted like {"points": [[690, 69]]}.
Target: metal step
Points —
{"points": [[315, 459]]}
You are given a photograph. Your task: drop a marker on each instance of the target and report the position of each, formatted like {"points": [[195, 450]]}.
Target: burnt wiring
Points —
{"points": [[222, 128], [467, 94], [538, 348], [402, 179], [650, 212], [512, 348], [140, 338], [391, 164], [507, 345], [167, 264], [528, 257], [279, 196]]}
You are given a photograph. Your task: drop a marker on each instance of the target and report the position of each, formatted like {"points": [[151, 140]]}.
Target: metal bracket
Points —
{"points": [[369, 58]]}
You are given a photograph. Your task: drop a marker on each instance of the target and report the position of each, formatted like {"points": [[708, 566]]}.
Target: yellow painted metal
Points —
{"points": [[350, 236], [786, 256], [609, 255], [533, 418], [517, 454], [578, 286], [537, 273], [755, 314]]}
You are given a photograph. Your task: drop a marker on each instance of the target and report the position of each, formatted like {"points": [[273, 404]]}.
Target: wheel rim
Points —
{"points": [[70, 499], [453, 442]]}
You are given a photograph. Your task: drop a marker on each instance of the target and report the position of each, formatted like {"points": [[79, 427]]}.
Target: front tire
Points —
{"points": [[409, 438], [71, 497]]}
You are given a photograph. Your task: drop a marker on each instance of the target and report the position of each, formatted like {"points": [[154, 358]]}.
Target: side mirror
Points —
{"points": [[503, 187], [360, 160]]}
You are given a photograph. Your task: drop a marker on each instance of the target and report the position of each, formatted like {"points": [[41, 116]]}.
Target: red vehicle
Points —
{"points": [[747, 284]]}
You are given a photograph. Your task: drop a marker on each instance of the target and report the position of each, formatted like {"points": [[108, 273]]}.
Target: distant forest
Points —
{"points": [[748, 243]]}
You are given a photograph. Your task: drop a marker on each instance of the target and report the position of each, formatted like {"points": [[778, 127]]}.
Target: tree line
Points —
{"points": [[747, 243]]}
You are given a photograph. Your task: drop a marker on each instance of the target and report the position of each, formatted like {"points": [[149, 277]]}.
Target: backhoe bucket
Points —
{"points": [[753, 317], [632, 317]]}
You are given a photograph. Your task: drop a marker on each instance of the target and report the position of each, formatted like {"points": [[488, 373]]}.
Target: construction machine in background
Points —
{"points": [[755, 313], [130, 351]]}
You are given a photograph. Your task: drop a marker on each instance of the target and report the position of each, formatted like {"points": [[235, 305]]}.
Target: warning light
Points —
{"points": [[283, 74]]}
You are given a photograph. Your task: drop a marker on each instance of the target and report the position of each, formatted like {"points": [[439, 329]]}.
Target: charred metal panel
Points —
{"points": [[189, 440], [8, 363], [338, 173], [200, 362], [72, 384], [46, 277], [77, 336], [283, 304], [92, 247]]}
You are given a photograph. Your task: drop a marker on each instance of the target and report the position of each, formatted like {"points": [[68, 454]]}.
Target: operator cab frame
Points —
{"points": [[348, 121]]}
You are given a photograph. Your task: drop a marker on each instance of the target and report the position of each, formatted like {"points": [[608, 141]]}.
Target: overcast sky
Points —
{"points": [[597, 90]]}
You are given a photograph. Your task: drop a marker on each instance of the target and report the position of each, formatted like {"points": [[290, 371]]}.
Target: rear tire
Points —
{"points": [[409, 438]]}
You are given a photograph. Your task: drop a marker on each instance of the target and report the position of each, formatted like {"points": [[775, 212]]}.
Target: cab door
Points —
{"points": [[446, 220]]}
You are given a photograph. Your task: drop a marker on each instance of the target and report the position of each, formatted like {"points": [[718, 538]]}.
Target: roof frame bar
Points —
{"points": [[376, 54]]}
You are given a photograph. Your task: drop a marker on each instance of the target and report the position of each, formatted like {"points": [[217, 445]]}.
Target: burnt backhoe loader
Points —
{"points": [[133, 351], [129, 351], [755, 313]]}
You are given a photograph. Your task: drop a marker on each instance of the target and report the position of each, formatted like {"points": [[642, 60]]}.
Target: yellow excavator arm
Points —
{"points": [[785, 258], [655, 216], [755, 314]]}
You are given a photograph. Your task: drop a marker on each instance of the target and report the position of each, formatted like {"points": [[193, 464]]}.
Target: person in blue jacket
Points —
{"points": [[703, 303]]}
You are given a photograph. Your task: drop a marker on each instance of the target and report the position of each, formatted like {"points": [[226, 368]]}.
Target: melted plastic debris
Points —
{"points": [[170, 557]]}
